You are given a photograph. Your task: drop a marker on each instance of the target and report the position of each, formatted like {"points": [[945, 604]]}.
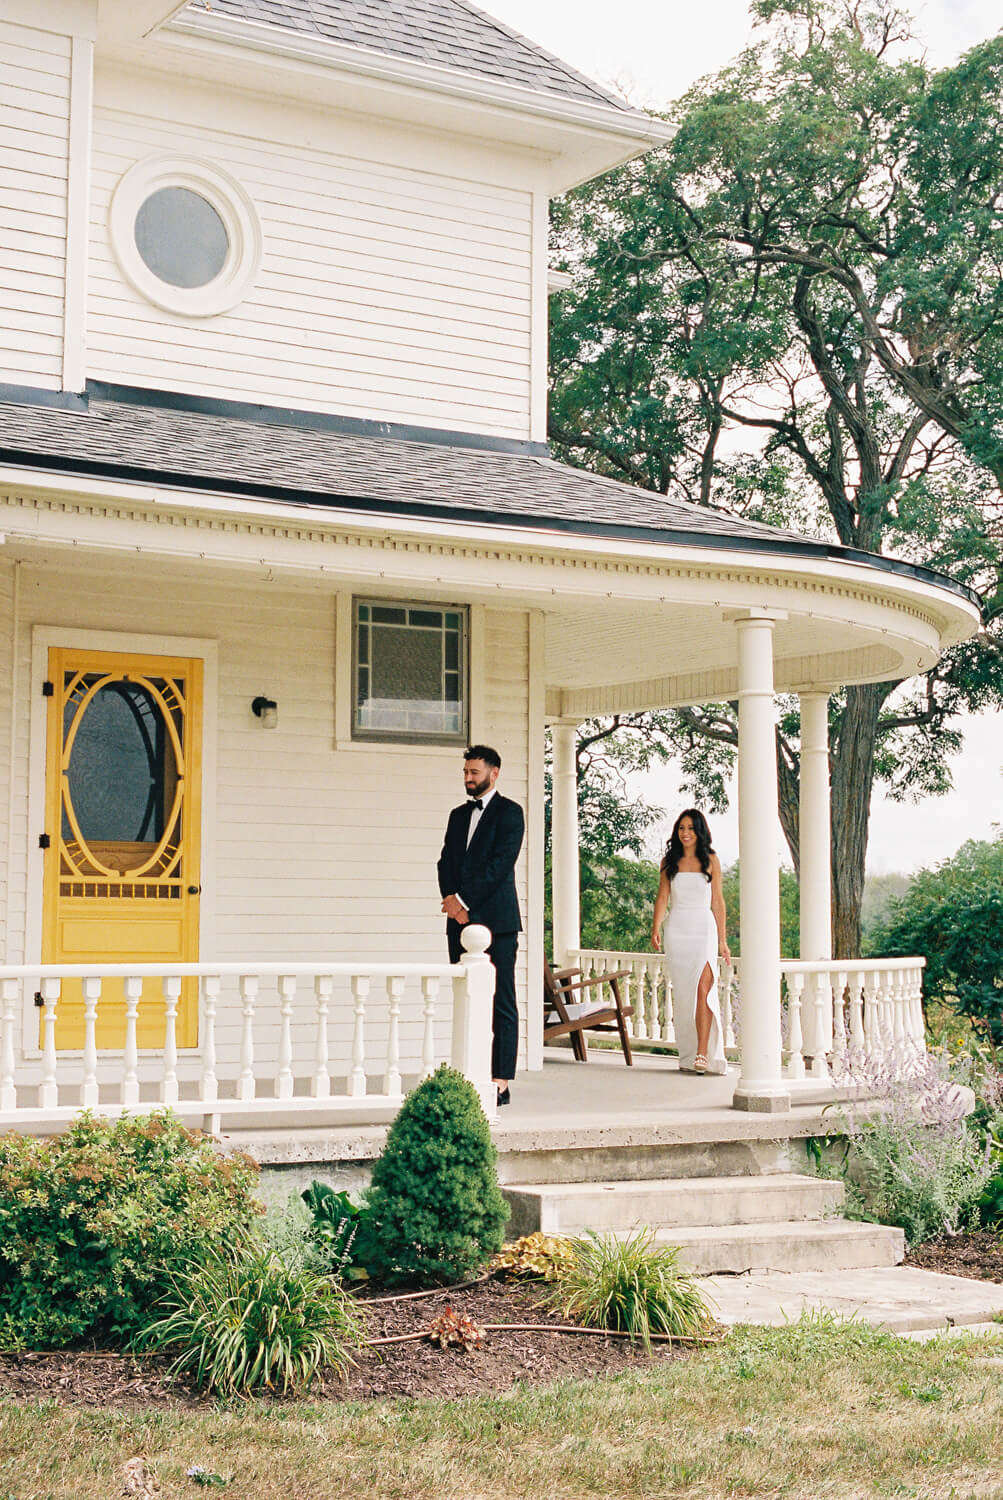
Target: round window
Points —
{"points": [[181, 237], [185, 234]]}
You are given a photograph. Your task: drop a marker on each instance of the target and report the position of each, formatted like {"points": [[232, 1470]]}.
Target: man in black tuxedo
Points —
{"points": [[477, 884]]}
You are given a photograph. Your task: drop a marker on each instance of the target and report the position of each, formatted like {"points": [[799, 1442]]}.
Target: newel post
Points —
{"points": [[473, 1002]]}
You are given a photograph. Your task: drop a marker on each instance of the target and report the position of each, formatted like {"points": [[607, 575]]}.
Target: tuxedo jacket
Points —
{"points": [[483, 876]]}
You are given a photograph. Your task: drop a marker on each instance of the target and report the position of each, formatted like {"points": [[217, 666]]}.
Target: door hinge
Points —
{"points": [[44, 841], [48, 689]]}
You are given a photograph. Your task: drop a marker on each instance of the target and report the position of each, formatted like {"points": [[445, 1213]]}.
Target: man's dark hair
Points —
{"points": [[483, 752]]}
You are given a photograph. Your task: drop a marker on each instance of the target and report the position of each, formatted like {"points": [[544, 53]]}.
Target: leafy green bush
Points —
{"points": [[434, 1211], [954, 916], [334, 1226], [93, 1221], [248, 1321], [631, 1286], [287, 1228]]}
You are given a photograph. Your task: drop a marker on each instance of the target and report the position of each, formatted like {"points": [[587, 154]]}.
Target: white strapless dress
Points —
{"points": [[690, 941]]}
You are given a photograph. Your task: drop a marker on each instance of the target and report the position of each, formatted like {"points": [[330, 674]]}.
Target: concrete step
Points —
{"points": [[571, 1208], [829, 1245]]}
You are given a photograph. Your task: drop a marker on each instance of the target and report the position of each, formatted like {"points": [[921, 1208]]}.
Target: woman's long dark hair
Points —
{"points": [[674, 848]]}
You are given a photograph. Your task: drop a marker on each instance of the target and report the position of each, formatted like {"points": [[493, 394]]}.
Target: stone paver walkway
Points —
{"points": [[902, 1299]]}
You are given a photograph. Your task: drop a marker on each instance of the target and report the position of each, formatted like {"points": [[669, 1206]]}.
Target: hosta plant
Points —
{"points": [[631, 1286], [246, 1321]]}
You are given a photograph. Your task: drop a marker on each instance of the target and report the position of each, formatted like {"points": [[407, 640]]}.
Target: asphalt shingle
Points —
{"points": [[341, 470], [446, 33]]}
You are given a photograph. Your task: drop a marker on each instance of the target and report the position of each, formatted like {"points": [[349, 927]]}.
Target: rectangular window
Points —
{"points": [[410, 672]]}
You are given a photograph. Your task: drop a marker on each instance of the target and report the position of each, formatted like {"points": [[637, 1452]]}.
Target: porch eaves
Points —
{"points": [[307, 459]]}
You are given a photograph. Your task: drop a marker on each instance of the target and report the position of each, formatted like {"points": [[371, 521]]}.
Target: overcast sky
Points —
{"points": [[653, 50]]}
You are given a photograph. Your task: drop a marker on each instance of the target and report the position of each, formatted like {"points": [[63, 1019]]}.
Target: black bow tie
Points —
{"points": [[478, 804]]}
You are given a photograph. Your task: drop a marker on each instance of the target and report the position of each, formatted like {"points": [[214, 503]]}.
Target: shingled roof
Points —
{"points": [[445, 33], [294, 459]]}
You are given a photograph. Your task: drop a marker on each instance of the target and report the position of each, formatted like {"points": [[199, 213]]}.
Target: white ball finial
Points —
{"points": [[475, 938]]}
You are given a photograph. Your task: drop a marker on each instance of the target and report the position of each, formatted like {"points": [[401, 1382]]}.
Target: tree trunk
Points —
{"points": [[852, 761]]}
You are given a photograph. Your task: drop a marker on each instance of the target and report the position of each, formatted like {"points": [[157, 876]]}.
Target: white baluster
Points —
{"points": [[649, 979], [900, 1036], [248, 984], [360, 993], [641, 1027], [429, 995], [10, 990], [210, 987], [91, 988], [287, 993], [323, 987], [172, 992], [858, 1039], [839, 1040], [132, 988], [392, 1076], [726, 991], [872, 1019], [823, 1026], [795, 1036], [48, 1093], [668, 1022]]}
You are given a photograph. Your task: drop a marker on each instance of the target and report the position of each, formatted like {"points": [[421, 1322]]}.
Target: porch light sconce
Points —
{"points": [[267, 710]]}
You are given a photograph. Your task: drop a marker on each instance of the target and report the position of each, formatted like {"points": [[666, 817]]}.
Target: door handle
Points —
{"points": [[194, 890]]}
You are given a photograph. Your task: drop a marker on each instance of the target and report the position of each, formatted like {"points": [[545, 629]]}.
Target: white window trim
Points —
{"points": [[344, 685], [231, 202]]}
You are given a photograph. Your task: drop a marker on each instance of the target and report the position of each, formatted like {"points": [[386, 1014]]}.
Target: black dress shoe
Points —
{"points": [[503, 1096]]}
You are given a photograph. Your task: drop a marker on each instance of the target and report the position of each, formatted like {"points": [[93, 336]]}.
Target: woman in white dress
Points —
{"points": [[690, 890]]}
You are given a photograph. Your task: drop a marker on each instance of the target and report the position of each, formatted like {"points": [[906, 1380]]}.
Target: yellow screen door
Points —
{"points": [[123, 819]]}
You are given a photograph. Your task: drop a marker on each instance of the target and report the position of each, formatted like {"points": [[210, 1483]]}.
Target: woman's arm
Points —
{"points": [[661, 907], [717, 907]]}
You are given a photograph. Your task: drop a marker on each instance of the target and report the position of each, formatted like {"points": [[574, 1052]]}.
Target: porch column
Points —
{"points": [[761, 1086], [816, 835], [564, 843]]}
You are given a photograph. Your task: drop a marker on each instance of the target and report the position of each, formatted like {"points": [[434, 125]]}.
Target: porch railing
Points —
{"points": [[264, 1051], [834, 1011]]}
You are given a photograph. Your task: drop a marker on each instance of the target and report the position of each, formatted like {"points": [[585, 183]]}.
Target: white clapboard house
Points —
{"points": [[281, 535]]}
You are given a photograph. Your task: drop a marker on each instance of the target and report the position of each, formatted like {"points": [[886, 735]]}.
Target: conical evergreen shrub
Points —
{"points": [[434, 1211]]}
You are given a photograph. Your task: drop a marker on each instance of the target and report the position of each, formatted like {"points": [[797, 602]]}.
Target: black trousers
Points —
{"points": [[505, 1018]]}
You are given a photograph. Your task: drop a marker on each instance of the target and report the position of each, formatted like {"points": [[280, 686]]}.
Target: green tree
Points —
{"points": [[793, 311], [954, 915]]}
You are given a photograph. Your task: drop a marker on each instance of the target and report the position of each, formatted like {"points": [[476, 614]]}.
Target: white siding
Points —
{"points": [[386, 291], [319, 852], [34, 134]]}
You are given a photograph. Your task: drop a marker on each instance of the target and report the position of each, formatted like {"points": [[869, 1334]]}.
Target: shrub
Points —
{"points": [[334, 1222], [631, 1286], [911, 1159], [434, 1209], [287, 1228], [248, 1321], [93, 1221]]}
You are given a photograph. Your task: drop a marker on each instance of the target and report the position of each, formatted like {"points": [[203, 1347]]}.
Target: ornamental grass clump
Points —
{"points": [[247, 1320], [434, 1211], [94, 1221], [631, 1286]]}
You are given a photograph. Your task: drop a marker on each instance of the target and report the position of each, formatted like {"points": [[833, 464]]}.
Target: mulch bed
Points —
{"points": [[417, 1368], [978, 1255]]}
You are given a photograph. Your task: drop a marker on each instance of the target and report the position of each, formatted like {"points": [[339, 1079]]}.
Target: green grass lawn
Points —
{"points": [[807, 1411]]}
